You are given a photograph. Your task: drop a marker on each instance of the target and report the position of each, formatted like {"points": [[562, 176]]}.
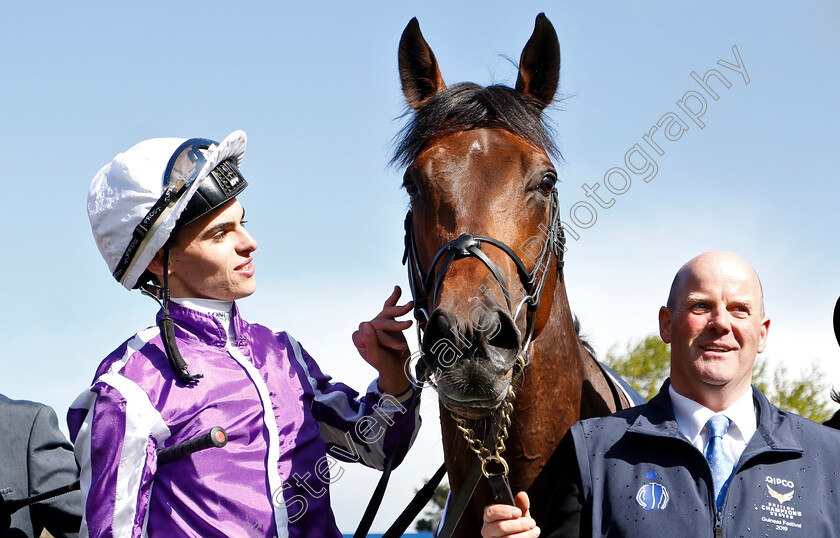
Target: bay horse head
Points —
{"points": [[483, 238], [484, 248]]}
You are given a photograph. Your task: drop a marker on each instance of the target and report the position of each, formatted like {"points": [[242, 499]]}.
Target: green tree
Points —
{"points": [[804, 396], [434, 510], [647, 363]]}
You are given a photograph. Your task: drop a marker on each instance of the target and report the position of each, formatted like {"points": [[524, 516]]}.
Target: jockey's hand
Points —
{"points": [[511, 521], [381, 343]]}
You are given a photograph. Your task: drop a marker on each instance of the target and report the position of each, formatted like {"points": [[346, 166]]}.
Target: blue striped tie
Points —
{"points": [[719, 462]]}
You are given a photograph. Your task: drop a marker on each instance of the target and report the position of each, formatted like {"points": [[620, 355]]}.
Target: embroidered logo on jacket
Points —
{"points": [[652, 496], [782, 498], [778, 515]]}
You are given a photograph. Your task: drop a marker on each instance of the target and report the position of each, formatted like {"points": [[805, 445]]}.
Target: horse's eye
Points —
{"points": [[547, 182], [410, 187]]}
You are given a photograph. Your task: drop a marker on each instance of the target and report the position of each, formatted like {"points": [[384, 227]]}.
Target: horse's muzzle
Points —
{"points": [[471, 362]]}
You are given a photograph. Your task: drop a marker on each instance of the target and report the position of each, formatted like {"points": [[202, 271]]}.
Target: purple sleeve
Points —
{"points": [[115, 449], [367, 429]]}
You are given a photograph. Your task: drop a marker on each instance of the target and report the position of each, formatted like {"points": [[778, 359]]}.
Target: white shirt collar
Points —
{"points": [[221, 310], [692, 417]]}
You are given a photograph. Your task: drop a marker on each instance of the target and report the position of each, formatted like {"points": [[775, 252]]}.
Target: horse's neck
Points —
{"points": [[566, 379], [553, 395]]}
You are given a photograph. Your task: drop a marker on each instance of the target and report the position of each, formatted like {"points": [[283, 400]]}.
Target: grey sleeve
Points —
{"points": [[51, 464]]}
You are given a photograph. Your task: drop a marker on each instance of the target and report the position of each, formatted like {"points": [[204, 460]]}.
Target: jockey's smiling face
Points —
{"points": [[212, 257]]}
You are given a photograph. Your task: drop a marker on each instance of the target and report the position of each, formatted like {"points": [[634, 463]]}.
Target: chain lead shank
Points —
{"points": [[506, 409]]}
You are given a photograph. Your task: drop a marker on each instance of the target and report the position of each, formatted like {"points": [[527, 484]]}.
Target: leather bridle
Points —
{"points": [[425, 287]]}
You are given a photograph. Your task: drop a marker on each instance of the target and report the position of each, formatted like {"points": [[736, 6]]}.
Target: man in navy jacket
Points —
{"points": [[644, 471]]}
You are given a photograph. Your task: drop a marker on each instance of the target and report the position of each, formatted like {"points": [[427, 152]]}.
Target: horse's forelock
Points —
{"points": [[465, 106]]}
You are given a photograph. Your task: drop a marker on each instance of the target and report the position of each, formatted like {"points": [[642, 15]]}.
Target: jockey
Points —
{"points": [[166, 218]]}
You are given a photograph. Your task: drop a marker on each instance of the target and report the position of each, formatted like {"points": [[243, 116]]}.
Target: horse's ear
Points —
{"points": [[419, 71], [539, 65]]}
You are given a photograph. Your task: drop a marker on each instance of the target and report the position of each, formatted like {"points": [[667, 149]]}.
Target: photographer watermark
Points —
{"points": [[639, 163], [638, 160], [369, 430]]}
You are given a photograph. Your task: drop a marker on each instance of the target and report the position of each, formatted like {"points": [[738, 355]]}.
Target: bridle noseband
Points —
{"points": [[425, 287]]}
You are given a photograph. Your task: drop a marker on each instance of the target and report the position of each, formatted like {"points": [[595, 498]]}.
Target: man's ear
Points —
{"points": [[156, 265], [762, 334], [665, 324]]}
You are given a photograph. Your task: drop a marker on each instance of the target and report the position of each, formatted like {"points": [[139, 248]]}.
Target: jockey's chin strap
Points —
{"points": [[167, 326]]}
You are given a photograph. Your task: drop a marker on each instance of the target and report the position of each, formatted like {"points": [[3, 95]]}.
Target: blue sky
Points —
{"points": [[315, 86]]}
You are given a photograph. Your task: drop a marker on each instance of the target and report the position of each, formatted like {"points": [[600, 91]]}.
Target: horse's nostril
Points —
{"points": [[438, 327], [445, 342], [440, 346], [507, 335]]}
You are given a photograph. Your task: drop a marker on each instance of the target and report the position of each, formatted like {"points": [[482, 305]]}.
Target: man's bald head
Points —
{"points": [[716, 327], [715, 256]]}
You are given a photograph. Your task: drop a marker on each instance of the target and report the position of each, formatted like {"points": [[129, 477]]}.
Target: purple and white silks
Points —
{"points": [[276, 405]]}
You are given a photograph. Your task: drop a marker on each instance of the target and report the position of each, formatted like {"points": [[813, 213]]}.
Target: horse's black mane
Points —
{"points": [[466, 106], [583, 338]]}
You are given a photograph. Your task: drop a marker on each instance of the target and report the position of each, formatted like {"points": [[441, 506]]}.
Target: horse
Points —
{"points": [[484, 249]]}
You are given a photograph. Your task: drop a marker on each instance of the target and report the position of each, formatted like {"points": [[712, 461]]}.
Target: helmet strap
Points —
{"points": [[167, 326]]}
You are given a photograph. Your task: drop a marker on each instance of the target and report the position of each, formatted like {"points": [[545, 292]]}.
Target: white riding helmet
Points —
{"points": [[159, 186]]}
